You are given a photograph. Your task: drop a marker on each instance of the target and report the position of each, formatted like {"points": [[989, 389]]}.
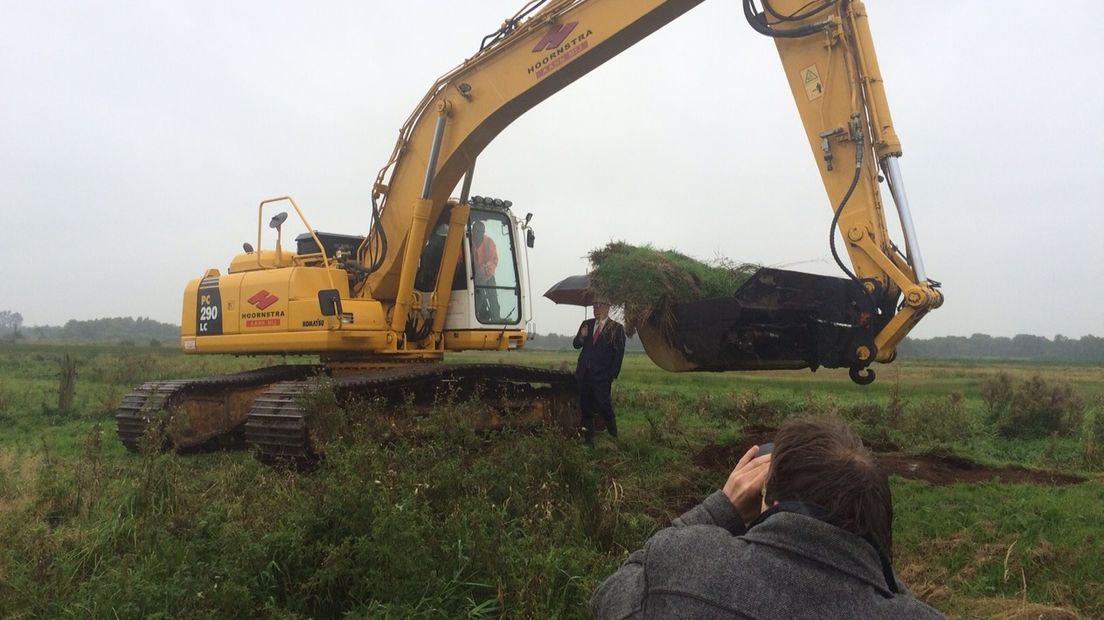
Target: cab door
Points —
{"points": [[486, 289]]}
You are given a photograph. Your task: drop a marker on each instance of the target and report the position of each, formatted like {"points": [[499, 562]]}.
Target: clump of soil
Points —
{"points": [[938, 469], [646, 282]]}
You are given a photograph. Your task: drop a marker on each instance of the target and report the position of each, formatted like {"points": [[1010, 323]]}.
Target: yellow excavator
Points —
{"points": [[381, 310]]}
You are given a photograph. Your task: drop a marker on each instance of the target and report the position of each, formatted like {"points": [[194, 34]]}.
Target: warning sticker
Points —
{"points": [[813, 86]]}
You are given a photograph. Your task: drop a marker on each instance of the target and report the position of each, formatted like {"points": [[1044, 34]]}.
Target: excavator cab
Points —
{"points": [[486, 285]]}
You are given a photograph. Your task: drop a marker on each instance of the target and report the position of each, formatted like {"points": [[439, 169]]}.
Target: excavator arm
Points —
{"points": [[828, 55], [781, 320]]}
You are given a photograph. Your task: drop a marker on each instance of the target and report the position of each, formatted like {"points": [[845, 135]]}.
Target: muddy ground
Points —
{"points": [[933, 468]]}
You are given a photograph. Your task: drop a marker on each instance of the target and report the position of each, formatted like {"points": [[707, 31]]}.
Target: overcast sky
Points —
{"points": [[136, 139]]}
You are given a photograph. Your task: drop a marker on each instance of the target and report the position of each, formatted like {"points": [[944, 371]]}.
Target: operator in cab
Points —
{"points": [[484, 264], [802, 531]]}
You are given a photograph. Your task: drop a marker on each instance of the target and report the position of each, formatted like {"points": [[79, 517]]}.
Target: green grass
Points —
{"points": [[1011, 541], [512, 524]]}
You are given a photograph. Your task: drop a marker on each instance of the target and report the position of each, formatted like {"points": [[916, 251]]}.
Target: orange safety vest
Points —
{"points": [[486, 260]]}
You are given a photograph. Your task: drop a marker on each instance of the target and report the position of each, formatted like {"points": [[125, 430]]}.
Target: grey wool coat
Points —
{"points": [[787, 566]]}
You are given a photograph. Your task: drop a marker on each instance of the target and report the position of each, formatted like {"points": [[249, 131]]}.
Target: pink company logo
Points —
{"points": [[560, 44], [263, 299], [554, 37]]}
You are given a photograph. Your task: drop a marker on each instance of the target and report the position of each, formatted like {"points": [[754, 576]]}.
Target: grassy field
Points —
{"points": [[524, 524]]}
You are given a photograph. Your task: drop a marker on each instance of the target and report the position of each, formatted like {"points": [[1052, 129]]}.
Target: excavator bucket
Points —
{"points": [[777, 320]]}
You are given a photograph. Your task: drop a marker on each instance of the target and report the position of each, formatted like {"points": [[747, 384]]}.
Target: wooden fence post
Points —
{"points": [[68, 386]]}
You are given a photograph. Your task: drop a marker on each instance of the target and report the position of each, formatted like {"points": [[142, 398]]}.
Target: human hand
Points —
{"points": [[745, 484], [583, 331]]}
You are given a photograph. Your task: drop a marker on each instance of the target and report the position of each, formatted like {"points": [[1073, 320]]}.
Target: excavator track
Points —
{"points": [[277, 423], [279, 427], [213, 408], [134, 414]]}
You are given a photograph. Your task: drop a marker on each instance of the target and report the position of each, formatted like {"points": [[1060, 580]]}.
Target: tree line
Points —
{"points": [[1021, 346], [142, 330], [978, 346], [113, 330], [558, 342]]}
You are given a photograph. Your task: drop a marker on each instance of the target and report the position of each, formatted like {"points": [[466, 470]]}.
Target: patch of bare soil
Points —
{"points": [[945, 469], [725, 457], [937, 469]]}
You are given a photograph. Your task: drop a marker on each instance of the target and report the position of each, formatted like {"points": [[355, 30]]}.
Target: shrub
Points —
{"points": [[107, 402], [876, 423], [665, 425], [821, 406], [1092, 436], [744, 407], [328, 420], [125, 370], [929, 423], [997, 392], [1039, 408], [5, 402], [872, 423], [938, 422]]}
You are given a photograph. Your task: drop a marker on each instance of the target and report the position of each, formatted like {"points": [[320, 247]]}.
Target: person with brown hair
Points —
{"points": [[800, 530]]}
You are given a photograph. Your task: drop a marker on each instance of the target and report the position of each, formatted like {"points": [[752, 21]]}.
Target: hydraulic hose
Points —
{"points": [[796, 17], [857, 136], [365, 247], [510, 25], [835, 224], [758, 21], [381, 251]]}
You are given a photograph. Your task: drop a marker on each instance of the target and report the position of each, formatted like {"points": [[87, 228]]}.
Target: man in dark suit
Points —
{"points": [[602, 341]]}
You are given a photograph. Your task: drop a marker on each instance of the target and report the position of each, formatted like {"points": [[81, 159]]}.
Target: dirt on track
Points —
{"points": [[938, 469]]}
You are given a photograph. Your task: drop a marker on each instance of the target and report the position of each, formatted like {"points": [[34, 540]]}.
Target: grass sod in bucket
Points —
{"points": [[647, 282]]}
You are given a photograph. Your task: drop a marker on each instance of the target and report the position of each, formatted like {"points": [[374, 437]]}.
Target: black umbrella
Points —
{"points": [[573, 290]]}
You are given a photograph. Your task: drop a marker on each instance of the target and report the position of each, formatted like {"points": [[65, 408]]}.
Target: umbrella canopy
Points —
{"points": [[573, 290]]}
